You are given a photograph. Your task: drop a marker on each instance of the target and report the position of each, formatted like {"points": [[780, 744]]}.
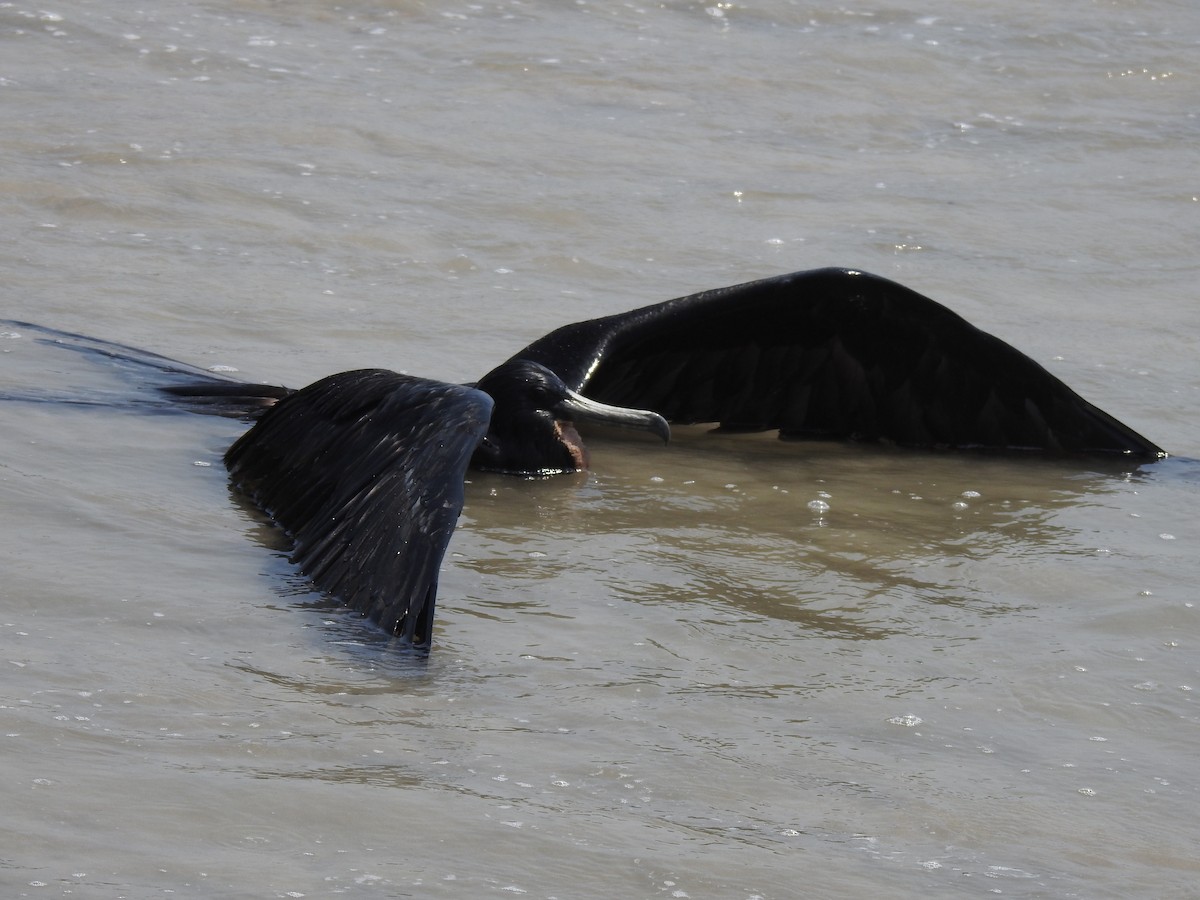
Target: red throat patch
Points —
{"points": [[570, 438]]}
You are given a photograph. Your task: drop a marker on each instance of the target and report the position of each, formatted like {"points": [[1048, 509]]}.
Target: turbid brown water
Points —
{"points": [[729, 668]]}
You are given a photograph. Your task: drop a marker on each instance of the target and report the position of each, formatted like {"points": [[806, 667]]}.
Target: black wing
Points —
{"points": [[830, 353], [365, 471]]}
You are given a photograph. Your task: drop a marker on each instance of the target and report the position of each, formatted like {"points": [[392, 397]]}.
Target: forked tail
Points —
{"points": [[160, 384]]}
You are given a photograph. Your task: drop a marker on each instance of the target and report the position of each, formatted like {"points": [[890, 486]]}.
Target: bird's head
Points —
{"points": [[532, 431]]}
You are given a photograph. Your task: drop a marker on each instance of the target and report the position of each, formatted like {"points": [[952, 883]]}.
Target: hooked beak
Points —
{"points": [[578, 408]]}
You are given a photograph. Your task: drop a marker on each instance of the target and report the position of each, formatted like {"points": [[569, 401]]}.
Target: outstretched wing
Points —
{"points": [[365, 471], [830, 353]]}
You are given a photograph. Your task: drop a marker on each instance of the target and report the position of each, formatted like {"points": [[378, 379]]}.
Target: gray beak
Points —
{"points": [[578, 408]]}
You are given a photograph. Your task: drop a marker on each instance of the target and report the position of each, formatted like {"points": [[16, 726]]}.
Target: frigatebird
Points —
{"points": [[365, 469]]}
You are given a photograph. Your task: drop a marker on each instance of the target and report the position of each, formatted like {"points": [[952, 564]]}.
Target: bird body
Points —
{"points": [[365, 469]]}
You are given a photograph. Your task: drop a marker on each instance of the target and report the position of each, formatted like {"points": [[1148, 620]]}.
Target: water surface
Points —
{"points": [[672, 676]]}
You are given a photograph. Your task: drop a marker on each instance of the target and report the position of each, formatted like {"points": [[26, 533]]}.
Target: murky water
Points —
{"points": [[671, 677]]}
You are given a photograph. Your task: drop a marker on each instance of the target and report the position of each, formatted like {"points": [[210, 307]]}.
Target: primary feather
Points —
{"points": [[365, 471]]}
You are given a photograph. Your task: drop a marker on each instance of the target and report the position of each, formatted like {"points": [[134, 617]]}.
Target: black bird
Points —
{"points": [[365, 469]]}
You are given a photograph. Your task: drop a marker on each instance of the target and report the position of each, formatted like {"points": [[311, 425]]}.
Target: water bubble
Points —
{"points": [[908, 721], [818, 506]]}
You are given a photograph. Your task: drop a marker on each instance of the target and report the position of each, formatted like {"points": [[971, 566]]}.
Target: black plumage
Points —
{"points": [[365, 469], [831, 353]]}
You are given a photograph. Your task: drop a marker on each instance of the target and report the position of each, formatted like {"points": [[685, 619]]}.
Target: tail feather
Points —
{"points": [[161, 384]]}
